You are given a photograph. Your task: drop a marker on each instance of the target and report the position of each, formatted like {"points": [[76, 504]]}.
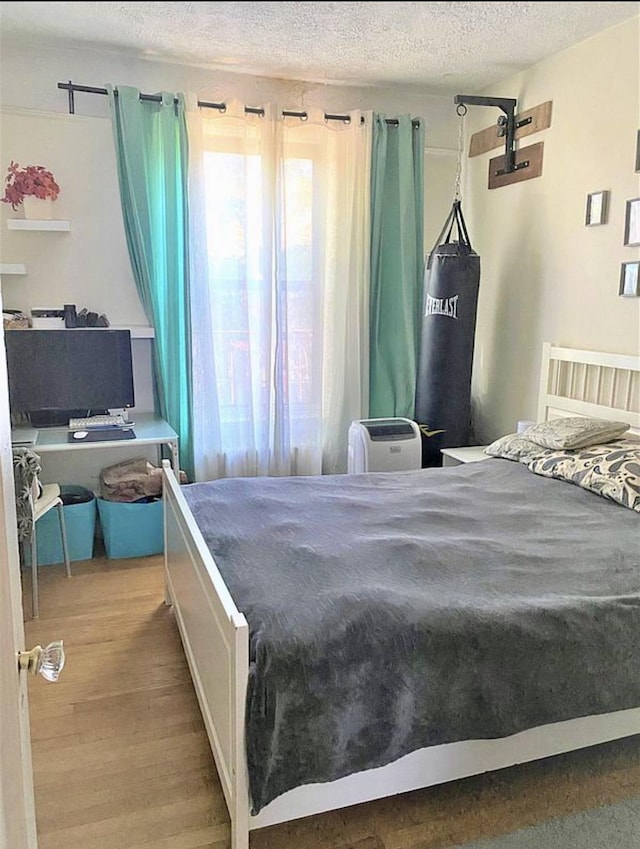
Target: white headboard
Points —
{"points": [[589, 383]]}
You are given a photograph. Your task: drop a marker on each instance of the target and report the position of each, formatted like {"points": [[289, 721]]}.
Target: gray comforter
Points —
{"points": [[389, 612]]}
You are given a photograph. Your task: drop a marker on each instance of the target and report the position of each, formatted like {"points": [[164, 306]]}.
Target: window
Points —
{"points": [[281, 297], [265, 282]]}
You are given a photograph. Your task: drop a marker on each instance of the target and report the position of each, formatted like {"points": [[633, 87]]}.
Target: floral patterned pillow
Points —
{"points": [[513, 446], [611, 470], [575, 432]]}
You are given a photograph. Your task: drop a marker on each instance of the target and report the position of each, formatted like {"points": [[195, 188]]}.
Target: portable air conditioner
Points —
{"points": [[384, 445]]}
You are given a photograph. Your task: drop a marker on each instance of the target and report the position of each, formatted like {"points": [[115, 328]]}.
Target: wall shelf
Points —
{"points": [[138, 331], [12, 268], [37, 224]]}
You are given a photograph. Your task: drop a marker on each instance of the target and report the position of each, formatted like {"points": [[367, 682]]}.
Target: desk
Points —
{"points": [[149, 430]]}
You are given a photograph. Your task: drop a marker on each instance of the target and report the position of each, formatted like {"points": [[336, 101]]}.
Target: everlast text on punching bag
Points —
{"points": [[450, 301]]}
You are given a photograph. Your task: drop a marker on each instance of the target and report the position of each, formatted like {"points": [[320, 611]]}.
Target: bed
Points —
{"points": [[230, 662]]}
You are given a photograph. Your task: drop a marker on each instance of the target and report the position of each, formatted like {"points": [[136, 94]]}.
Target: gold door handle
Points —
{"points": [[48, 661]]}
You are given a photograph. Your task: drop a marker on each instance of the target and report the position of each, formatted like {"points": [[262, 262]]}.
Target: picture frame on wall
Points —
{"points": [[630, 280], [597, 208], [632, 222], [638, 152]]}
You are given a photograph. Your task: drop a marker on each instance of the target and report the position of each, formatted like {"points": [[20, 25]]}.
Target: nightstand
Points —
{"points": [[468, 454]]}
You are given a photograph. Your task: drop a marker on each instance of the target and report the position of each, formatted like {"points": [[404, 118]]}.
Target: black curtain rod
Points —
{"points": [[72, 88]]}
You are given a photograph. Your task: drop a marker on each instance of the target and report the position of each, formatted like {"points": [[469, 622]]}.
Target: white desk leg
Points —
{"points": [[175, 460], [175, 465]]}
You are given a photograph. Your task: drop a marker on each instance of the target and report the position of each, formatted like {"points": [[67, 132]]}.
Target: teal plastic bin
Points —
{"points": [[133, 529], [79, 508]]}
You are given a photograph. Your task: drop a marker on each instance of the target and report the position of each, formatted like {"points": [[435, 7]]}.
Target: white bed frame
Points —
{"points": [[215, 636]]}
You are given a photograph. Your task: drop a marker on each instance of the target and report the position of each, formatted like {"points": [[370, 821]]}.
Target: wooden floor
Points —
{"points": [[121, 758]]}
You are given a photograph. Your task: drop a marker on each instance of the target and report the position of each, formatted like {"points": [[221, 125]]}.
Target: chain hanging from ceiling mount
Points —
{"points": [[461, 109]]}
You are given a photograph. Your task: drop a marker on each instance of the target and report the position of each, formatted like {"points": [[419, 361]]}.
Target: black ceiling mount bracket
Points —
{"points": [[518, 167], [506, 125]]}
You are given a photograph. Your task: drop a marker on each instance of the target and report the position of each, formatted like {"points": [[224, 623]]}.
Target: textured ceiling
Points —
{"points": [[437, 46]]}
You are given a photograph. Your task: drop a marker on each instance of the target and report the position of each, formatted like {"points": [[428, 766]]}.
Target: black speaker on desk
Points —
{"points": [[69, 315]]}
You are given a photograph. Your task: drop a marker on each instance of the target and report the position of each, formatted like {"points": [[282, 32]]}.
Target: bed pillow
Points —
{"points": [[513, 446], [611, 470], [575, 432]]}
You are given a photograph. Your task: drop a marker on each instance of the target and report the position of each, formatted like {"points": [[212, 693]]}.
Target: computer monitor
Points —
{"points": [[55, 375]]}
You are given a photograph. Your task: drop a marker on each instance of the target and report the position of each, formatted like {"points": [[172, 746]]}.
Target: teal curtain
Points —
{"points": [[397, 259], [152, 155]]}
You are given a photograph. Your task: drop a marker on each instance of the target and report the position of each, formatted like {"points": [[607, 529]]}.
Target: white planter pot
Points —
{"points": [[36, 209]]}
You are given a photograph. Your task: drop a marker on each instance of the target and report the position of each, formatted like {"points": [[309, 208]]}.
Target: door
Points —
{"points": [[17, 814]]}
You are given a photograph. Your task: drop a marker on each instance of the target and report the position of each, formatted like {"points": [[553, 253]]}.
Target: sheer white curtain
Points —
{"points": [[279, 212]]}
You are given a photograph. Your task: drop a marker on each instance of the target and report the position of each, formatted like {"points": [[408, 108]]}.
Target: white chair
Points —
{"points": [[33, 501], [49, 498]]}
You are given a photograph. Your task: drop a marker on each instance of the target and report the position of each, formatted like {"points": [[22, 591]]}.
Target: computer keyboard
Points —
{"points": [[98, 422]]}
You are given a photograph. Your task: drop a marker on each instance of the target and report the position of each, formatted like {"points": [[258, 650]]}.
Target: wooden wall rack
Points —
{"points": [[528, 160], [527, 123], [528, 166]]}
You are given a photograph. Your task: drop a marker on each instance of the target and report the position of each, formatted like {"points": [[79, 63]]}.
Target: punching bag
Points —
{"points": [[450, 300]]}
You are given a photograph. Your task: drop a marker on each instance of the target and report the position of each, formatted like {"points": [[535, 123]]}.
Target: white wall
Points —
{"points": [[30, 74], [89, 266], [545, 275]]}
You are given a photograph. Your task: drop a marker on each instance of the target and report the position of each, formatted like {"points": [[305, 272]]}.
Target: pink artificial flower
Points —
{"points": [[33, 180]]}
